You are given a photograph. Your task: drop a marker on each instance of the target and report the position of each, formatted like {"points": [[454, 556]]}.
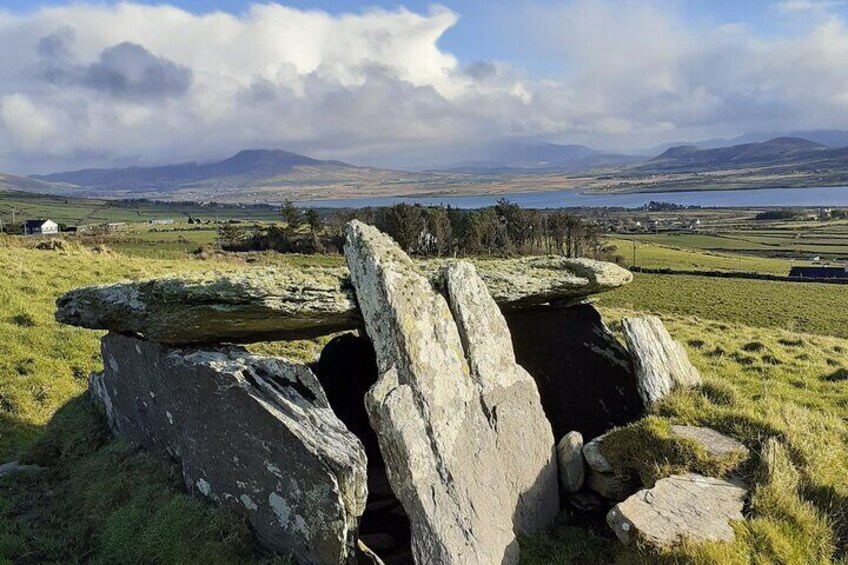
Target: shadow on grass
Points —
{"points": [[15, 435], [104, 500]]}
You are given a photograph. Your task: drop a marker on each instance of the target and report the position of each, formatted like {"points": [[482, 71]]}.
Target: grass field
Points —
{"points": [[802, 307], [82, 211], [774, 356]]}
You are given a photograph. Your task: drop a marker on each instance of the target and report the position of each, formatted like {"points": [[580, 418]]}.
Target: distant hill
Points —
{"points": [[26, 184], [254, 164], [833, 138], [520, 158], [778, 151]]}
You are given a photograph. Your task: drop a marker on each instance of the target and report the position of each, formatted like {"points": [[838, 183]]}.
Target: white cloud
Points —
{"points": [[91, 85]]}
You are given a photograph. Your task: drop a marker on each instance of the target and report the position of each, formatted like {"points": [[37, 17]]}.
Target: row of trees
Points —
{"points": [[437, 231]]}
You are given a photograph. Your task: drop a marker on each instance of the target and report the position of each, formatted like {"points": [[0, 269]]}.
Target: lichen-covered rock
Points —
{"points": [[529, 281], [714, 443], [687, 506], [252, 433], [440, 452], [572, 466], [510, 399], [244, 306], [661, 364], [296, 303], [584, 375]]}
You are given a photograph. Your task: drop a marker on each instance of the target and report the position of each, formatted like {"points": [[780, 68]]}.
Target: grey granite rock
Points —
{"points": [[523, 437], [572, 465], [440, 452], [262, 304], [253, 433], [661, 364], [687, 506]]}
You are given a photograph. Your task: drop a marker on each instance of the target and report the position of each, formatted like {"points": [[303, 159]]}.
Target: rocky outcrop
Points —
{"points": [[572, 468], [440, 452], [687, 506], [252, 433], [584, 375], [510, 399], [661, 364], [277, 303]]}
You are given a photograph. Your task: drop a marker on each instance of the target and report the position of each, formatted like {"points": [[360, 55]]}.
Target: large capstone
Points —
{"points": [[510, 399], [264, 304], [252, 433], [661, 363], [688, 506], [584, 375], [440, 452]]}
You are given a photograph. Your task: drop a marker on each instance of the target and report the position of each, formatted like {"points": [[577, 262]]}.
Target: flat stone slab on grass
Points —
{"points": [[265, 304], [714, 443], [681, 506]]}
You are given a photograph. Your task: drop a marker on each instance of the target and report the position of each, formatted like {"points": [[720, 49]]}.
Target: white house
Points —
{"points": [[41, 227]]}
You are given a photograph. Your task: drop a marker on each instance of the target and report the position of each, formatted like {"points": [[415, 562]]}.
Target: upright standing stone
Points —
{"points": [[440, 453], [661, 364], [510, 400], [252, 433]]}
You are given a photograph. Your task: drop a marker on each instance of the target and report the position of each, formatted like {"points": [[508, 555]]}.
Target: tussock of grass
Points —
{"points": [[648, 451]]}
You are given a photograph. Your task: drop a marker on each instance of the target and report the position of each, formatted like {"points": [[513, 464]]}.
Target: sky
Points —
{"points": [[407, 85]]}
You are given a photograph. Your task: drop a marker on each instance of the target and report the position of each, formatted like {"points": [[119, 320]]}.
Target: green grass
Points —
{"points": [[73, 211], [653, 256], [802, 307], [783, 393], [772, 390]]}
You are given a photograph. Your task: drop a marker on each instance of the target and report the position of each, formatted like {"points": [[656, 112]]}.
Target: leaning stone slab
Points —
{"points": [[681, 506], [440, 453], [252, 433], [277, 303], [661, 364], [523, 437]]}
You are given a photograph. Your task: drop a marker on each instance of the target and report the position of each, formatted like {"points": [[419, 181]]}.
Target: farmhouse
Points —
{"points": [[819, 273], [40, 227]]}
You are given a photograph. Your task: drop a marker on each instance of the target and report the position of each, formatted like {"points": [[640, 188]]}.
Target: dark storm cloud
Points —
{"points": [[129, 70], [126, 70]]}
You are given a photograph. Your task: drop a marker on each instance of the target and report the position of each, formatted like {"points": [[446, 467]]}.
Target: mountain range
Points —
{"points": [[267, 176]]}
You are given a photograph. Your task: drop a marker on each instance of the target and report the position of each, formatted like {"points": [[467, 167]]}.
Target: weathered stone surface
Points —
{"points": [[714, 443], [529, 281], [584, 375], [440, 452], [692, 506], [572, 469], [510, 399], [253, 433], [661, 364], [249, 305], [594, 457], [609, 485], [277, 303]]}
